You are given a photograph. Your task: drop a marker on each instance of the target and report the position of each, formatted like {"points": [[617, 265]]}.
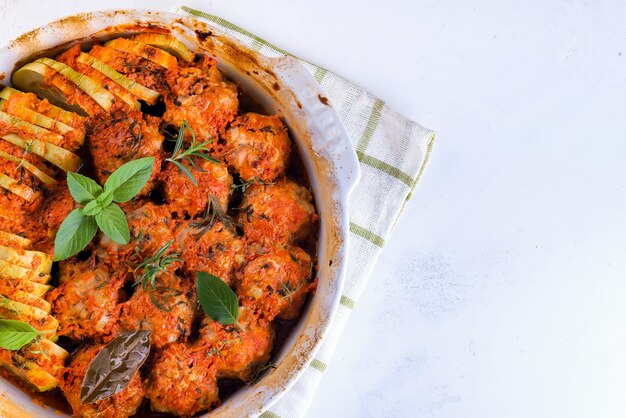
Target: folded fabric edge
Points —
{"points": [[256, 40]]}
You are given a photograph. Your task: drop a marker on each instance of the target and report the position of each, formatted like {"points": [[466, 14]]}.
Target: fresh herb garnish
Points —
{"points": [[154, 265], [179, 155], [99, 211], [243, 186], [255, 377], [112, 369], [213, 213], [148, 271], [217, 299], [16, 334]]}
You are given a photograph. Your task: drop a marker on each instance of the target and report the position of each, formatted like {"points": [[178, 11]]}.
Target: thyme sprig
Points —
{"points": [[194, 150], [243, 186], [213, 213], [259, 372]]}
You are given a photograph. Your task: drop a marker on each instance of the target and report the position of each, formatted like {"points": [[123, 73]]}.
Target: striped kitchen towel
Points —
{"points": [[393, 152]]}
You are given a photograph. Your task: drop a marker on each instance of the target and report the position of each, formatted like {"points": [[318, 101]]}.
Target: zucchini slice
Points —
{"points": [[27, 370], [168, 43], [18, 272], [63, 116], [27, 286], [43, 121], [31, 129], [14, 240], [101, 95], [121, 93], [14, 186], [37, 318], [46, 179], [33, 260], [148, 52], [25, 298], [32, 77], [62, 158], [143, 93]]}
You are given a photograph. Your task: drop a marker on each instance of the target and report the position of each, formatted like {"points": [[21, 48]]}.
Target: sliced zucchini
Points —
{"points": [[32, 77], [14, 186], [46, 179], [31, 129], [44, 121], [143, 93], [25, 298], [51, 351], [27, 370], [148, 52], [62, 158], [37, 318], [34, 260], [61, 115], [14, 240], [95, 90], [18, 272], [168, 43], [27, 286]]}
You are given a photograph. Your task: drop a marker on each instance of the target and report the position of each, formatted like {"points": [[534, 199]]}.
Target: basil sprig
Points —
{"points": [[16, 334], [217, 299], [99, 211], [112, 369]]}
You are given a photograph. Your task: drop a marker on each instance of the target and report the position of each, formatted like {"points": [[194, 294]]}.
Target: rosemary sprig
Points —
{"points": [[213, 213], [179, 155], [150, 269]]}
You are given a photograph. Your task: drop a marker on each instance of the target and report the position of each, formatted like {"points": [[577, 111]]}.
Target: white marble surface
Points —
{"points": [[502, 291]]}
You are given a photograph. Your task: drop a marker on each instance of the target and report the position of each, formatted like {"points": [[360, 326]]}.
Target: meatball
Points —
{"points": [[258, 147], [201, 97], [167, 309], [182, 381], [123, 137], [277, 282], [218, 250], [149, 232], [55, 211], [280, 212], [121, 405], [238, 352], [86, 301], [185, 197]]}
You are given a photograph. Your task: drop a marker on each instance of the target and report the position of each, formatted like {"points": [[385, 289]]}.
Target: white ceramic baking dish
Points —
{"points": [[281, 85]]}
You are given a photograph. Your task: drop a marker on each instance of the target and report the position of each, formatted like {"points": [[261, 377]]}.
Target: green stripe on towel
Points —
{"points": [[269, 414], [318, 365], [368, 235], [370, 127], [385, 168], [347, 302]]}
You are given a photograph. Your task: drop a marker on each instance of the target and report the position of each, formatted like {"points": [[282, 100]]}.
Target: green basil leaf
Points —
{"points": [[217, 299], [105, 199], [129, 179], [16, 334], [112, 222], [76, 231], [83, 189], [92, 208], [112, 369]]}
